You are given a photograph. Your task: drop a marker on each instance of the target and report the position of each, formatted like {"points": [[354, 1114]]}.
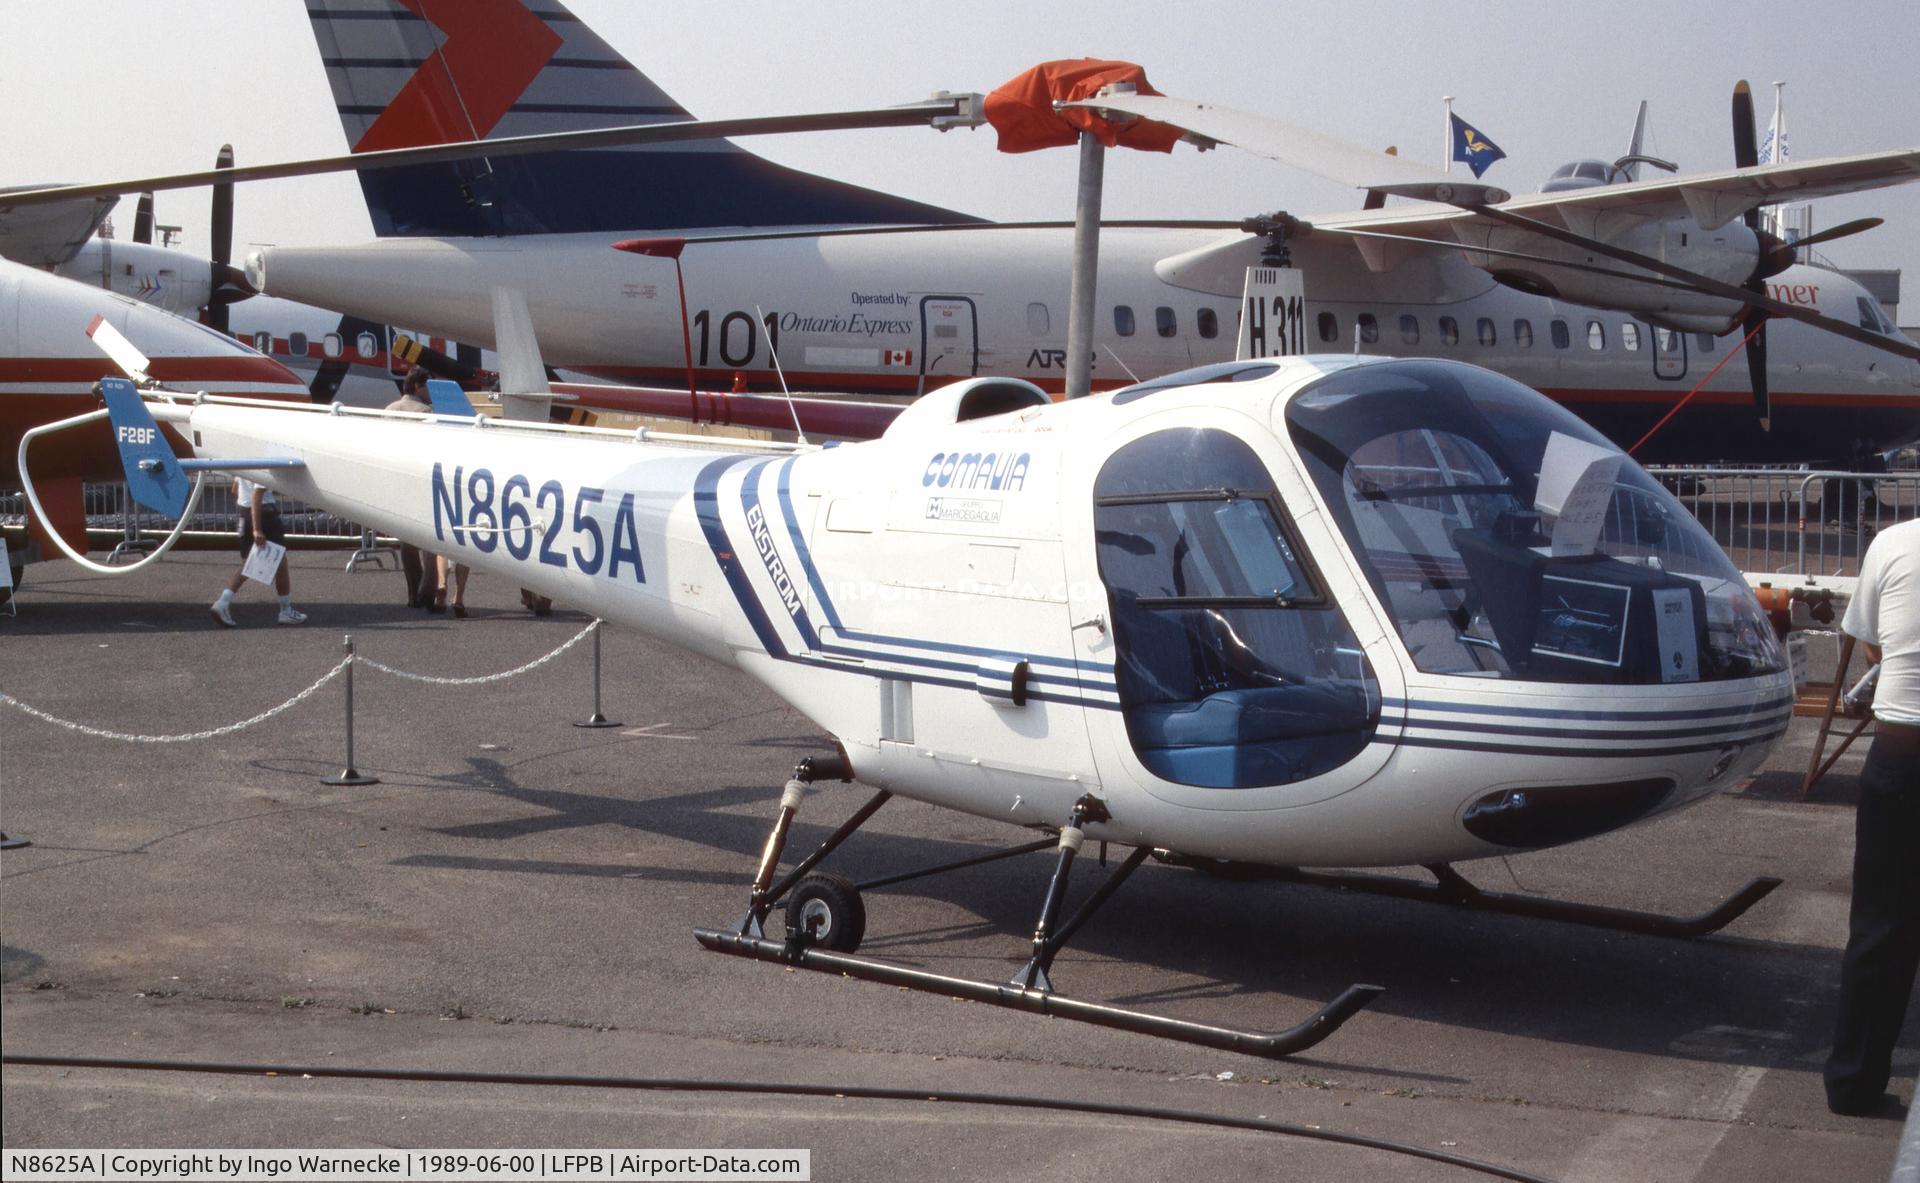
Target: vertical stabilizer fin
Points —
{"points": [[154, 476]]}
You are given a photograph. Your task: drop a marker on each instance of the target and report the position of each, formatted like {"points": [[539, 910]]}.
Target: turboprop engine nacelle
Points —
{"points": [[1729, 253]]}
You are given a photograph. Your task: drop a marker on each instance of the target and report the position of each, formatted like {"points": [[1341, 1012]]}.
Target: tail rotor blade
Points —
{"points": [[115, 345]]}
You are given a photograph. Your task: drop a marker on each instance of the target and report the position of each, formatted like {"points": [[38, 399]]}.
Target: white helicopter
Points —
{"points": [[1275, 613]]}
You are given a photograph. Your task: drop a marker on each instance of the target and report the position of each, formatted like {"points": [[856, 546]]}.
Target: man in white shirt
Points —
{"points": [[1883, 932], [259, 524]]}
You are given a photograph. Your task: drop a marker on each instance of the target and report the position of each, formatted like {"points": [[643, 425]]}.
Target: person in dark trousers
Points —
{"points": [[422, 572], [1883, 930], [259, 523]]}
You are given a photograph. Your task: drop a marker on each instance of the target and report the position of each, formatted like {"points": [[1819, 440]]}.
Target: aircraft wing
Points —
{"points": [[1714, 199], [48, 235]]}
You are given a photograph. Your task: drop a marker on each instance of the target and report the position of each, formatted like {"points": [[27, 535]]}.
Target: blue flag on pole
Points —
{"points": [[1473, 149]]}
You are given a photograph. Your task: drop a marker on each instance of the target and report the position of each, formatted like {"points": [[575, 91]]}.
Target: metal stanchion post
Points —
{"points": [[597, 719], [350, 775]]}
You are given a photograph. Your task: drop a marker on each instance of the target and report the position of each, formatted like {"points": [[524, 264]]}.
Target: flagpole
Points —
{"points": [[1446, 138]]}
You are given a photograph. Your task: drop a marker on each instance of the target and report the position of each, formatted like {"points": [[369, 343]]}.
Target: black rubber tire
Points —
{"points": [[831, 905]]}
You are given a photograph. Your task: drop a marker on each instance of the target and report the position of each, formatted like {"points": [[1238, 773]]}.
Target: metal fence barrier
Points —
{"points": [[1794, 521], [108, 508]]}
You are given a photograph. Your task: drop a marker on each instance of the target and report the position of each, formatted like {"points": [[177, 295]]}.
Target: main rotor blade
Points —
{"points": [[1544, 260], [954, 110], [943, 227], [1309, 151], [1751, 299]]}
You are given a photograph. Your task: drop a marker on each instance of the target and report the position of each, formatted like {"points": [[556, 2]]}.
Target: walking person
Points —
{"points": [[259, 524], [1883, 930]]}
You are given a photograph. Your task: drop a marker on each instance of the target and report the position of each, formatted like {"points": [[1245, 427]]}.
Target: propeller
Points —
{"points": [[1753, 322], [222, 245], [1781, 255]]}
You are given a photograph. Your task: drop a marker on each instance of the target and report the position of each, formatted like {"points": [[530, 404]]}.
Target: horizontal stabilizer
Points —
{"points": [[449, 399]]}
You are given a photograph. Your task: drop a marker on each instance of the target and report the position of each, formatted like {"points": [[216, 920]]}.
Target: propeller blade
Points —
{"points": [[1746, 140], [143, 219], [1751, 298], [1782, 255], [222, 241], [1755, 322]]}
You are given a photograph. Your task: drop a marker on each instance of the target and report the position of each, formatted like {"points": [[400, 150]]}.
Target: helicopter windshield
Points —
{"points": [[1234, 668], [1510, 540]]}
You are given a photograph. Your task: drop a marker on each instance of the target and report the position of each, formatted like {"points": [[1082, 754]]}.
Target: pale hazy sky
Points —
{"points": [[99, 89]]}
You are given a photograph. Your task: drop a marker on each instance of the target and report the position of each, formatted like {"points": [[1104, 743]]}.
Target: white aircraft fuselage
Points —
{"points": [[859, 313]]}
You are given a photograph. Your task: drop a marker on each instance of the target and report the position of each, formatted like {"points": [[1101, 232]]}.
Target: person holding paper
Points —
{"points": [[1883, 929], [259, 531]]}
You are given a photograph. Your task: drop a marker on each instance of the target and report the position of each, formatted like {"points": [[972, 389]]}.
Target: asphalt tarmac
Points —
{"points": [[517, 896]]}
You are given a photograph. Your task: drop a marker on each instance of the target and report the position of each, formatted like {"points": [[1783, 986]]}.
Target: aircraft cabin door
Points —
{"points": [[1669, 354], [949, 339]]}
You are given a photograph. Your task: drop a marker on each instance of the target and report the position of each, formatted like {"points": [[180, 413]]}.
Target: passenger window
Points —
{"points": [[1596, 335], [1703, 342], [1449, 331], [1409, 330], [263, 342], [1123, 319], [1329, 327], [1164, 322], [1233, 669], [1369, 328], [1523, 333], [368, 346], [1039, 322], [1483, 329], [1666, 340], [332, 345], [297, 344], [1630, 337], [1208, 322], [1557, 329]]}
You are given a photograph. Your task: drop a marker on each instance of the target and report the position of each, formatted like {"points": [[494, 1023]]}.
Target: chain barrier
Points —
{"points": [[536, 663], [302, 696], [229, 729]]}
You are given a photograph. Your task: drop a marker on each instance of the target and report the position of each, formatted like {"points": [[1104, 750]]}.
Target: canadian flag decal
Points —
{"points": [[899, 357]]}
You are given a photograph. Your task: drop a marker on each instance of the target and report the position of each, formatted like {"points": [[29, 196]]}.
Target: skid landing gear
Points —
{"points": [[1450, 887], [826, 920]]}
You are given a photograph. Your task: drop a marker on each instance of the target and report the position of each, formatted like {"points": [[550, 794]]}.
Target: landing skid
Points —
{"points": [[1043, 1002], [826, 920], [1452, 888]]}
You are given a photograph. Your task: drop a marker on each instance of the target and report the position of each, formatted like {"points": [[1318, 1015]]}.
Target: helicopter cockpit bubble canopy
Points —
{"points": [[1509, 540]]}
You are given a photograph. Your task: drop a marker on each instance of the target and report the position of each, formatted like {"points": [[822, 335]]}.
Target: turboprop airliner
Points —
{"points": [[930, 295], [1320, 611]]}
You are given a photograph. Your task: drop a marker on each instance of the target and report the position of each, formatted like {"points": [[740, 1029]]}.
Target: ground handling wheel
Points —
{"points": [[829, 911]]}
